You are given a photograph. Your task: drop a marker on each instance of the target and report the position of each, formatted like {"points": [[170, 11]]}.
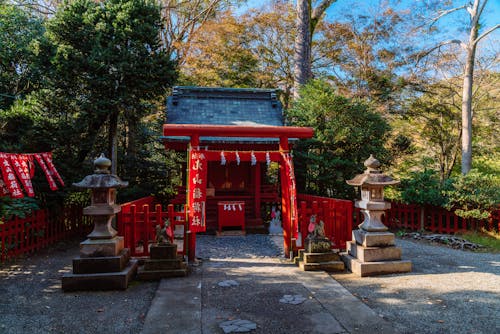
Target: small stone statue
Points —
{"points": [[316, 230], [319, 230], [161, 235], [316, 241]]}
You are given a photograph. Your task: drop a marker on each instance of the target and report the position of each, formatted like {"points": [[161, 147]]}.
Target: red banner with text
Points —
{"points": [[9, 177], [23, 174], [198, 166], [17, 170]]}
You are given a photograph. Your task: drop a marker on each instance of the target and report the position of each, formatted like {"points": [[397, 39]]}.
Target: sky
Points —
{"points": [[340, 7]]}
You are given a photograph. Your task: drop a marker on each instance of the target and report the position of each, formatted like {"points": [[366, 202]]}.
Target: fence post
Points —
{"points": [[146, 229], [171, 218], [133, 222], [303, 221]]}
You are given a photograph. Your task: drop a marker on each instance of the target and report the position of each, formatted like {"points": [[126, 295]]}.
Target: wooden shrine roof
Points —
{"points": [[224, 106]]}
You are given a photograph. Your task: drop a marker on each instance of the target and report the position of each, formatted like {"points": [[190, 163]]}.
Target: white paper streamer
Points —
{"points": [[222, 158]]}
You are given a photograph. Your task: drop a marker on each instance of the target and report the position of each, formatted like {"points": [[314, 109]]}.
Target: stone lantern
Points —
{"points": [[372, 204], [103, 263], [372, 250]]}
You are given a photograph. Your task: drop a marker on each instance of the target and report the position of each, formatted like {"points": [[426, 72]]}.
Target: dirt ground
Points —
{"points": [[32, 301], [448, 291]]}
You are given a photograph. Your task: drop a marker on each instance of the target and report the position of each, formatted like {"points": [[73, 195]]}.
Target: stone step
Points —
{"points": [[153, 275], [256, 229], [100, 281], [105, 264], [375, 268], [164, 264], [320, 257], [331, 266], [373, 254], [373, 239], [165, 251], [299, 257]]}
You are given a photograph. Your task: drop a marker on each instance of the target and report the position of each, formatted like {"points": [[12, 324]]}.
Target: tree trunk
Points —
{"points": [[113, 142], [307, 20], [467, 100], [302, 57], [467, 112]]}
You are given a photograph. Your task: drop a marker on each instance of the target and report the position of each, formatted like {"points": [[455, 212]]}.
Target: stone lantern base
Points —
{"points": [[102, 265], [374, 253]]}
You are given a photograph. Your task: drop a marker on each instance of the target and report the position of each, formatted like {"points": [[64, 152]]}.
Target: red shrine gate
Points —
{"points": [[199, 161]]}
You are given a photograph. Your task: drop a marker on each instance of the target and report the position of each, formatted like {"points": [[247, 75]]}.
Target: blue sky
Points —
{"points": [[339, 8]]}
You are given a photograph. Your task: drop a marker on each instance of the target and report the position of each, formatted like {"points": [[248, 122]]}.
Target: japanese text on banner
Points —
{"points": [[9, 177], [198, 166]]}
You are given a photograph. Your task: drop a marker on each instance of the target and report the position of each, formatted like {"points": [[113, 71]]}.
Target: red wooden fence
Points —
{"points": [[336, 214], [137, 221], [25, 235], [414, 217]]}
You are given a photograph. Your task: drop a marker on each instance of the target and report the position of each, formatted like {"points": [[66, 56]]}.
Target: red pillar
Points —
{"points": [[285, 200], [191, 251], [257, 180]]}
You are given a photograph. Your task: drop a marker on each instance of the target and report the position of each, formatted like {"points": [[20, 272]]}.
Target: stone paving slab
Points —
{"points": [[197, 304], [176, 307]]}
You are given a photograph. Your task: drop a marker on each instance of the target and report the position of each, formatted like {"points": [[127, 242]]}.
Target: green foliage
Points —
{"points": [[474, 195], [490, 240], [104, 70], [346, 133], [16, 207], [21, 40], [422, 188]]}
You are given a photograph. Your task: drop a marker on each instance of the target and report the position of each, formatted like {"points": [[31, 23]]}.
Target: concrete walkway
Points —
{"points": [[251, 289]]}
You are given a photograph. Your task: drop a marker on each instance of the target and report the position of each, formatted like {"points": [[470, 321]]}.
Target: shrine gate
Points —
{"points": [[231, 136]]}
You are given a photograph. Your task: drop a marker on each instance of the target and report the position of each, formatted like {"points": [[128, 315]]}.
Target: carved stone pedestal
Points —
{"points": [[318, 255], [374, 253], [163, 263], [102, 265]]}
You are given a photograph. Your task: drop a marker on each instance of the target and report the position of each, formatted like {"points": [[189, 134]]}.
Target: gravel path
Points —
{"points": [[32, 301], [249, 246], [448, 291]]}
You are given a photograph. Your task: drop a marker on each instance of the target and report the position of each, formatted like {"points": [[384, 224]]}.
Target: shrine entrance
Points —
{"points": [[204, 160]]}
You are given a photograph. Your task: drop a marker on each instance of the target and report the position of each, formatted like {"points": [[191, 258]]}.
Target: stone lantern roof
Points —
{"points": [[372, 175], [102, 177]]}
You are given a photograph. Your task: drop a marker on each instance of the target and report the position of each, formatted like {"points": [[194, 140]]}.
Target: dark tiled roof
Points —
{"points": [[224, 106]]}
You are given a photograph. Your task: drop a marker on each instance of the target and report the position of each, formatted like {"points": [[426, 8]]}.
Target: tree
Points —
{"points": [[181, 21], [365, 55], [228, 60], [435, 125], [307, 20], [109, 64], [272, 33], [476, 33], [474, 195], [21, 38], [43, 8], [347, 131]]}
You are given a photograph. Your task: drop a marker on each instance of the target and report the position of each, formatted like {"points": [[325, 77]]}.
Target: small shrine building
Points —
{"points": [[232, 135]]}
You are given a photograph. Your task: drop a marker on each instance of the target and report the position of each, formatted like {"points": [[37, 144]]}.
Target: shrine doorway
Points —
{"points": [[201, 156]]}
